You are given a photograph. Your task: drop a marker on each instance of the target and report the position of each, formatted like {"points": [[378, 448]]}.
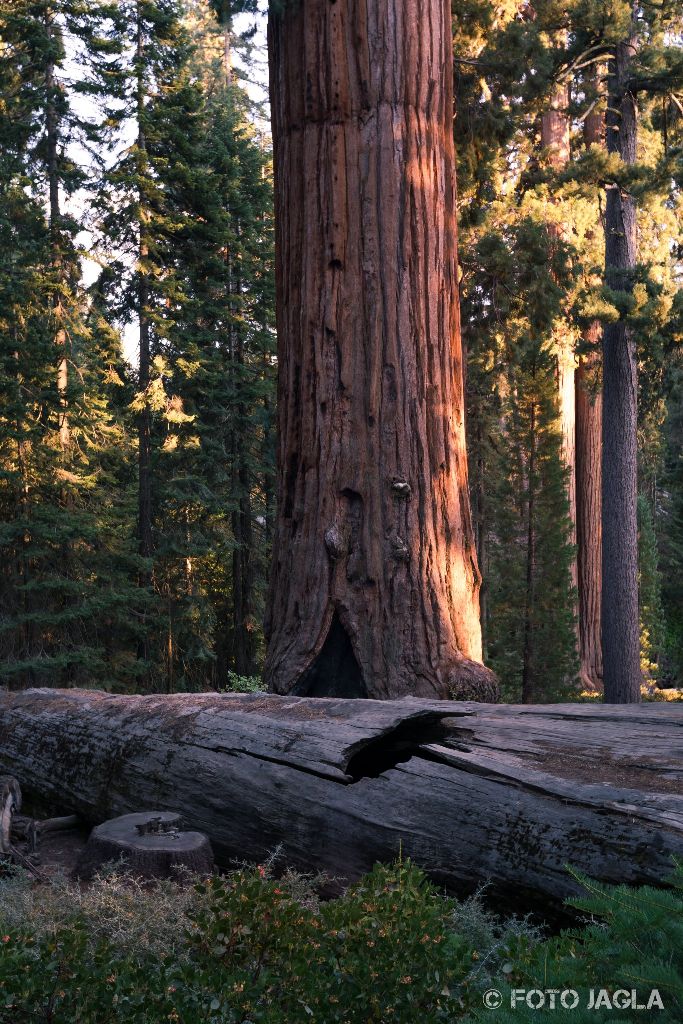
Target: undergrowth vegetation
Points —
{"points": [[251, 948]]}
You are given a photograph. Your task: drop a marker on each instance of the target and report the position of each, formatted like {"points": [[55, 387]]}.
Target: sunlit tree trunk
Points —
{"points": [[528, 650], [555, 143], [226, 27], [620, 622], [589, 479], [375, 582], [242, 567]]}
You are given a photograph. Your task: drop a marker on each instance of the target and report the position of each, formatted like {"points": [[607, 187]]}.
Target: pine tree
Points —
{"points": [[502, 181], [513, 299], [224, 329], [65, 542], [512, 243], [191, 199]]}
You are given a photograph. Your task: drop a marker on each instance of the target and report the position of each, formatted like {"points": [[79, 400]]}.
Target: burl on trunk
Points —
{"points": [[374, 589]]}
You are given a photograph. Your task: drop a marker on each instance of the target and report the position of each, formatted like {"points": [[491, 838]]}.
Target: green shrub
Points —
{"points": [[243, 684], [248, 948], [252, 950], [632, 941]]}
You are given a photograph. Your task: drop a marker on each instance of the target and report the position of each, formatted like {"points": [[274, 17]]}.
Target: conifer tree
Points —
{"points": [[559, 46], [518, 274], [65, 540], [194, 193], [513, 314], [225, 326]]}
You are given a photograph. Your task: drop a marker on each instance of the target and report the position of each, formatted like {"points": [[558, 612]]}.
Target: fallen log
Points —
{"points": [[472, 792]]}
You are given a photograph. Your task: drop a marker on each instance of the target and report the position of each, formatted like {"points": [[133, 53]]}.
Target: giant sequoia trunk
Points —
{"points": [[620, 623], [473, 793], [374, 588]]}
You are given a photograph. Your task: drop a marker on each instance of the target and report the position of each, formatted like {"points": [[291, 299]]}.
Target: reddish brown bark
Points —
{"points": [[589, 480], [375, 581]]}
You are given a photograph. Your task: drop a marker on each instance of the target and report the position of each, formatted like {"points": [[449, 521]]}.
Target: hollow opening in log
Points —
{"points": [[335, 672], [394, 748]]}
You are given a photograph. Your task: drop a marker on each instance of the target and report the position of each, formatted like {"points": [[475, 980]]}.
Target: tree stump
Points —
{"points": [[149, 844], [10, 804]]}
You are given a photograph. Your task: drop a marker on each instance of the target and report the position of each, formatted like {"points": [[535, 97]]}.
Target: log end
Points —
{"points": [[10, 804]]}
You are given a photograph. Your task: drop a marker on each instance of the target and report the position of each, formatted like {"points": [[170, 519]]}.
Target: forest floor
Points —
{"points": [[56, 855], [59, 851]]}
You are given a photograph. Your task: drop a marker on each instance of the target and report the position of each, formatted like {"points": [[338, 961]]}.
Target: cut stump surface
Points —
{"points": [[150, 844]]}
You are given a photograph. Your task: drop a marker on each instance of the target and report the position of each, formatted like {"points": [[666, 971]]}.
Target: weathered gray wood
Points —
{"points": [[473, 792], [155, 853], [62, 824], [10, 804]]}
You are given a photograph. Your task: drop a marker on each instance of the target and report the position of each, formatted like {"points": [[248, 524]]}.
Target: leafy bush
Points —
{"points": [[252, 949], [243, 684]]}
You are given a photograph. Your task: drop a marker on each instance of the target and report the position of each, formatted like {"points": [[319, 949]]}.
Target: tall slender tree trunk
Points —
{"points": [[24, 557], [528, 650], [555, 142], [59, 283], [243, 618], [242, 568], [620, 623], [226, 26], [145, 541], [589, 479], [144, 419], [375, 583], [482, 535], [589, 511]]}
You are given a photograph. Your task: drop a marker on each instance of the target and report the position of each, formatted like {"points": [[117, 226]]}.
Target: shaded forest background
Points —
{"points": [[137, 501]]}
